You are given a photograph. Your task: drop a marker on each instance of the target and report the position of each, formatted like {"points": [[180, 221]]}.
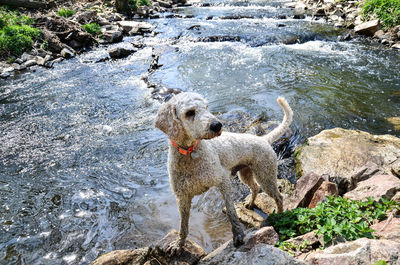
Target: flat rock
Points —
{"points": [[378, 186], [368, 28], [304, 243], [266, 235], [191, 254], [247, 216], [362, 251], [337, 153], [396, 45], [130, 27], [260, 254], [388, 229], [112, 36], [123, 257]]}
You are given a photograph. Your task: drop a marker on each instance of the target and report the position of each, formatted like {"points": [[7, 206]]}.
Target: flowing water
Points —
{"points": [[82, 168]]}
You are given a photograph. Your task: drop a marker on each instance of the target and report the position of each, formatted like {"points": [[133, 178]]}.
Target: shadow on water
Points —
{"points": [[82, 168]]}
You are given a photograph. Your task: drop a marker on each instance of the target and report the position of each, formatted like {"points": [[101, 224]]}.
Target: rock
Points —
{"points": [[86, 17], [54, 43], [305, 188], [396, 45], [191, 254], [135, 28], [261, 254], [67, 53], [112, 36], [368, 28], [326, 189], [266, 235], [120, 52], [396, 168], [363, 173], [18, 67], [248, 217], [29, 63], [379, 34], [388, 229], [303, 243], [26, 56], [123, 257], [395, 121], [164, 3], [362, 251], [335, 153], [378, 186]]}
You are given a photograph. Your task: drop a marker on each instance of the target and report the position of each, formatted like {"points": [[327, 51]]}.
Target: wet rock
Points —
{"points": [[164, 4], [306, 186], [336, 153], [368, 28], [135, 28], [54, 43], [120, 52], [86, 17], [123, 257], [259, 254], [326, 189], [191, 254], [388, 229], [362, 251], [378, 186], [67, 53], [18, 67], [219, 38], [112, 36], [29, 63], [396, 46], [247, 216]]}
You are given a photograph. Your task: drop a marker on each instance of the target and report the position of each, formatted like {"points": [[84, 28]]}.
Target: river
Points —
{"points": [[82, 168]]}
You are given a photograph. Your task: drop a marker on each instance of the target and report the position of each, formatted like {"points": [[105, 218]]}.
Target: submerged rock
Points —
{"points": [[120, 52]]}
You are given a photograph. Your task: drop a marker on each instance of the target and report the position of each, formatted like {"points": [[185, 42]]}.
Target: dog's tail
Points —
{"points": [[287, 120]]}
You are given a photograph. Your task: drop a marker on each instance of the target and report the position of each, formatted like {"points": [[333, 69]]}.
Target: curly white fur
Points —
{"points": [[186, 119]]}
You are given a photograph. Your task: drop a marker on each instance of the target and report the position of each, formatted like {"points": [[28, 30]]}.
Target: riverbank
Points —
{"points": [[71, 28], [359, 16]]}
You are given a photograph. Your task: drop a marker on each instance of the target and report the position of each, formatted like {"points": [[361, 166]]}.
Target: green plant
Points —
{"points": [[388, 11], [335, 218], [65, 12], [134, 4], [92, 28], [380, 262], [8, 17]]}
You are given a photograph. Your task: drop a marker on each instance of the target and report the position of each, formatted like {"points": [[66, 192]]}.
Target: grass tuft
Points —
{"points": [[387, 11], [92, 28], [65, 12]]}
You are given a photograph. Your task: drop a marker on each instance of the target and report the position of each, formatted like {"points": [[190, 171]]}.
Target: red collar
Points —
{"points": [[184, 151]]}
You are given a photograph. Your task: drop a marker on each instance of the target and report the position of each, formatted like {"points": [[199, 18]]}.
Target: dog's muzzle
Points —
{"points": [[216, 127]]}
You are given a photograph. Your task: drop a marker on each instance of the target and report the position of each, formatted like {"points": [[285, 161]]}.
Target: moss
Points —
{"points": [[92, 28]]}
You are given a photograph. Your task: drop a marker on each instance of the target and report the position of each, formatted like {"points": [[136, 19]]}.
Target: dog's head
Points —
{"points": [[186, 117]]}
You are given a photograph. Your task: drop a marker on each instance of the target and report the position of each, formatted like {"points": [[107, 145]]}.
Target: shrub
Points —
{"points": [[65, 12], [92, 28], [16, 34], [17, 39], [134, 4], [388, 11], [335, 218]]}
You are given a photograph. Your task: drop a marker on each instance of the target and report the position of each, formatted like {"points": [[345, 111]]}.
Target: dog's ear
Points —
{"points": [[168, 122]]}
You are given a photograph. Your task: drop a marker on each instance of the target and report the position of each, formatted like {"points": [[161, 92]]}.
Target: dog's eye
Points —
{"points": [[190, 114]]}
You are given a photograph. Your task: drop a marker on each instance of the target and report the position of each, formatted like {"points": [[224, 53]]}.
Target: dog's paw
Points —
{"points": [[238, 239], [175, 248], [249, 205]]}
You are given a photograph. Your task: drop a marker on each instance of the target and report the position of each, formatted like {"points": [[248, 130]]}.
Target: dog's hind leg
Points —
{"points": [[246, 176]]}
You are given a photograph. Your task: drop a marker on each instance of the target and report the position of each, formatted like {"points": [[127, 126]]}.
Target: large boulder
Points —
{"points": [[388, 229], [123, 257], [336, 153], [362, 251], [368, 28]]}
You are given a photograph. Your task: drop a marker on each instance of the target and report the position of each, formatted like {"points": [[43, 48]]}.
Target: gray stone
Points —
{"points": [[362, 251], [368, 28], [112, 36], [378, 186], [396, 45], [29, 63], [67, 53], [388, 229], [260, 254], [336, 153], [120, 52]]}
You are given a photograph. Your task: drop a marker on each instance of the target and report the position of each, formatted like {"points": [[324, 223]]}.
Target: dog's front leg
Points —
{"points": [[184, 204], [237, 228]]}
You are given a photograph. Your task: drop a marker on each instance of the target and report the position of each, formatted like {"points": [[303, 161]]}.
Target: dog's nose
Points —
{"points": [[216, 126]]}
